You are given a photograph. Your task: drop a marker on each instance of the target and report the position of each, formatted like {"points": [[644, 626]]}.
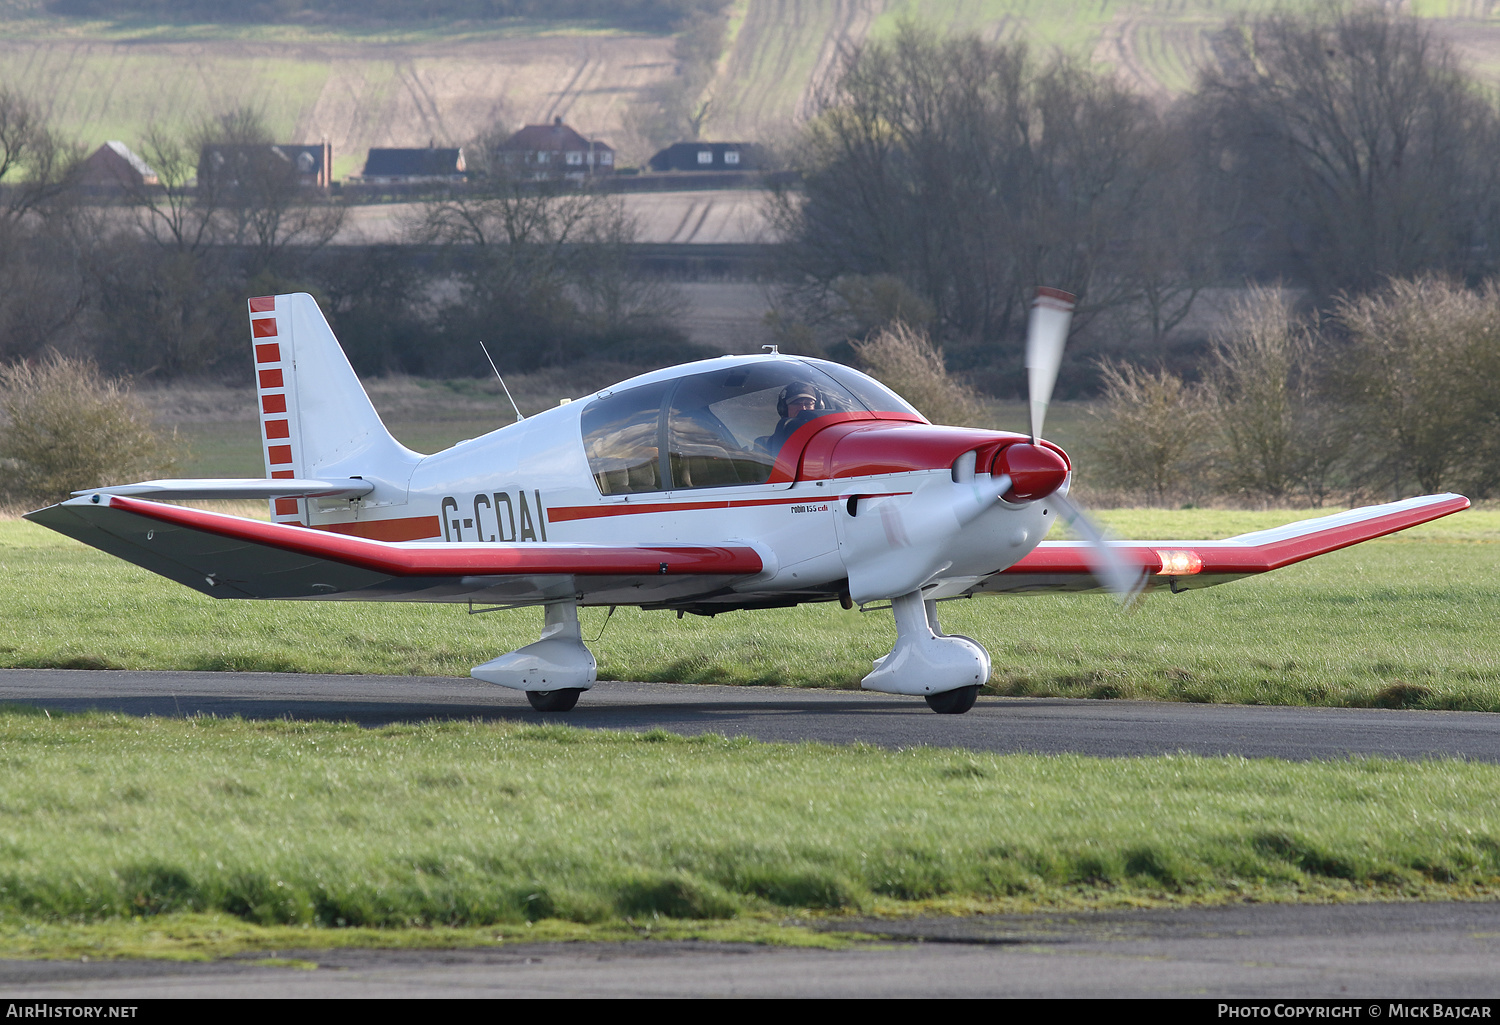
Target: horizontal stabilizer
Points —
{"points": [[1055, 566], [238, 487]]}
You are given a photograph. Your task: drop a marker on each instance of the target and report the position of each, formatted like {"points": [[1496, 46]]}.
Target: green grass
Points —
{"points": [[110, 819], [1406, 621]]}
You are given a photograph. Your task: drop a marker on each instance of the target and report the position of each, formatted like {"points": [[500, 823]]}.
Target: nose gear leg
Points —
{"points": [[925, 662]]}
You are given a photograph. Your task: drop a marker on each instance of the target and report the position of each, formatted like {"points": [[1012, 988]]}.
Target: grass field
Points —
{"points": [[163, 824]]}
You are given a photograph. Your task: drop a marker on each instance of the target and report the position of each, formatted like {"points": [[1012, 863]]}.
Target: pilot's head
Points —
{"points": [[797, 398]]}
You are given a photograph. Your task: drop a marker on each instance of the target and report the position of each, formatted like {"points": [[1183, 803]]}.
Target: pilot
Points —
{"points": [[798, 403]]}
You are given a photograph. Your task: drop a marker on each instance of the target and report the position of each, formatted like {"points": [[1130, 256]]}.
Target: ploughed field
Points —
{"points": [[380, 85]]}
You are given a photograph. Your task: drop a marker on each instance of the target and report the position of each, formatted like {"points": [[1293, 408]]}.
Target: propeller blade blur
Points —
{"points": [[1046, 334], [1124, 581]]}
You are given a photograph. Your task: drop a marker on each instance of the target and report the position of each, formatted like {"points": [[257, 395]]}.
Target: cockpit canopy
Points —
{"points": [[720, 428]]}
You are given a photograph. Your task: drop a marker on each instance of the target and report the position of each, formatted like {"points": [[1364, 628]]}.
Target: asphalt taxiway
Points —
{"points": [[1002, 725], [1358, 953]]}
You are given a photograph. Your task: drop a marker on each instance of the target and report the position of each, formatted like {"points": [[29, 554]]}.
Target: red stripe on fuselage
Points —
{"points": [[589, 512], [407, 528]]}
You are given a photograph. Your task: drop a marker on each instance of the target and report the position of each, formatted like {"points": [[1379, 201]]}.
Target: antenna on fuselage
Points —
{"points": [[496, 369]]}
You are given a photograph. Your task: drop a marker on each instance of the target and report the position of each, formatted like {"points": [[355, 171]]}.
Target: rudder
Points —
{"points": [[316, 420]]}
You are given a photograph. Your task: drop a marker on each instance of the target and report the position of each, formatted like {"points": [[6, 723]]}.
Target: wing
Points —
{"points": [[1182, 565], [232, 557]]}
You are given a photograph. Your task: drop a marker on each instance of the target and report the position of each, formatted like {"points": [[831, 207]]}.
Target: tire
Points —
{"points": [[953, 702], [559, 700]]}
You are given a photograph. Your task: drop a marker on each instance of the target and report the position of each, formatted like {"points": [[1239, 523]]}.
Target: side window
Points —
{"points": [[704, 450], [726, 427], [620, 438]]}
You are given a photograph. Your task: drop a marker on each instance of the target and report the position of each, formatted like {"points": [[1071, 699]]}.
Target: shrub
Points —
{"points": [[1149, 433], [1274, 432], [905, 360], [69, 428], [1424, 355]]}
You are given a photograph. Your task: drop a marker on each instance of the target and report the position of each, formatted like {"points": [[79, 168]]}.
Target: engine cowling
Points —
{"points": [[1035, 471]]}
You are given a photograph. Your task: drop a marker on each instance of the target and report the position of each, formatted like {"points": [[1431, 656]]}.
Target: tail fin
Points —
{"points": [[315, 415]]}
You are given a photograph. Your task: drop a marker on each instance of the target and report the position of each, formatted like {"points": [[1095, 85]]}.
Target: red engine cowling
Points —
{"points": [[1035, 470]]}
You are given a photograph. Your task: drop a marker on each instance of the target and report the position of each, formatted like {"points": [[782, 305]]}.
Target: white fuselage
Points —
{"points": [[531, 482]]}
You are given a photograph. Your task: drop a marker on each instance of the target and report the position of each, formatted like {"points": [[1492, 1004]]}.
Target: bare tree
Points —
{"points": [[36, 165], [678, 108], [1150, 433], [42, 232], [537, 262], [255, 192], [971, 173], [1356, 144], [174, 213]]}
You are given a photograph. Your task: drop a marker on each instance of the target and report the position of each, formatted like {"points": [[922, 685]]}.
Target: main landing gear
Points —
{"points": [[554, 670], [946, 669]]}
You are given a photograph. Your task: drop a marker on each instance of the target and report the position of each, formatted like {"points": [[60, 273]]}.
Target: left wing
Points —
{"points": [[1182, 565], [232, 557]]}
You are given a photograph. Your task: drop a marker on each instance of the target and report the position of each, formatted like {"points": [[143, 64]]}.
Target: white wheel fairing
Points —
{"points": [[558, 661], [922, 662]]}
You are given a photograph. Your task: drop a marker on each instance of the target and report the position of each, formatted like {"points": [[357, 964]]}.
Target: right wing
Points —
{"points": [[1182, 565]]}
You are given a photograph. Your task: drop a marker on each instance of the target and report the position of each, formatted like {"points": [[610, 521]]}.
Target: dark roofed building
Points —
{"points": [[556, 150], [409, 166], [307, 166], [711, 156], [114, 166]]}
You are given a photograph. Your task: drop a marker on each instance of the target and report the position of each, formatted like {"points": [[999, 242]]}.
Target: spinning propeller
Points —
{"points": [[1037, 472]]}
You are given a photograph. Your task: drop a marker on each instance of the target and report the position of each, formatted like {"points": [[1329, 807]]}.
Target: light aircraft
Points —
{"points": [[743, 482]]}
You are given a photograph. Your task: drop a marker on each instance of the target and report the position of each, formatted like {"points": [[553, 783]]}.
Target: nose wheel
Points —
{"points": [[562, 700], [945, 669], [953, 702]]}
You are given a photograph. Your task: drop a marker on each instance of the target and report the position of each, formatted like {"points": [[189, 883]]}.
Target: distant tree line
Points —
{"points": [[661, 15], [154, 285], [1329, 152]]}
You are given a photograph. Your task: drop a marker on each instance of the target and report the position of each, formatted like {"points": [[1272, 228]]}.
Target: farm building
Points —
{"points": [[309, 166], [711, 156], [555, 150], [114, 166], [413, 166]]}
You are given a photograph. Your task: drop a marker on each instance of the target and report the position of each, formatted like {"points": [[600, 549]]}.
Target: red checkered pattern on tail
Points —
{"points": [[276, 394]]}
